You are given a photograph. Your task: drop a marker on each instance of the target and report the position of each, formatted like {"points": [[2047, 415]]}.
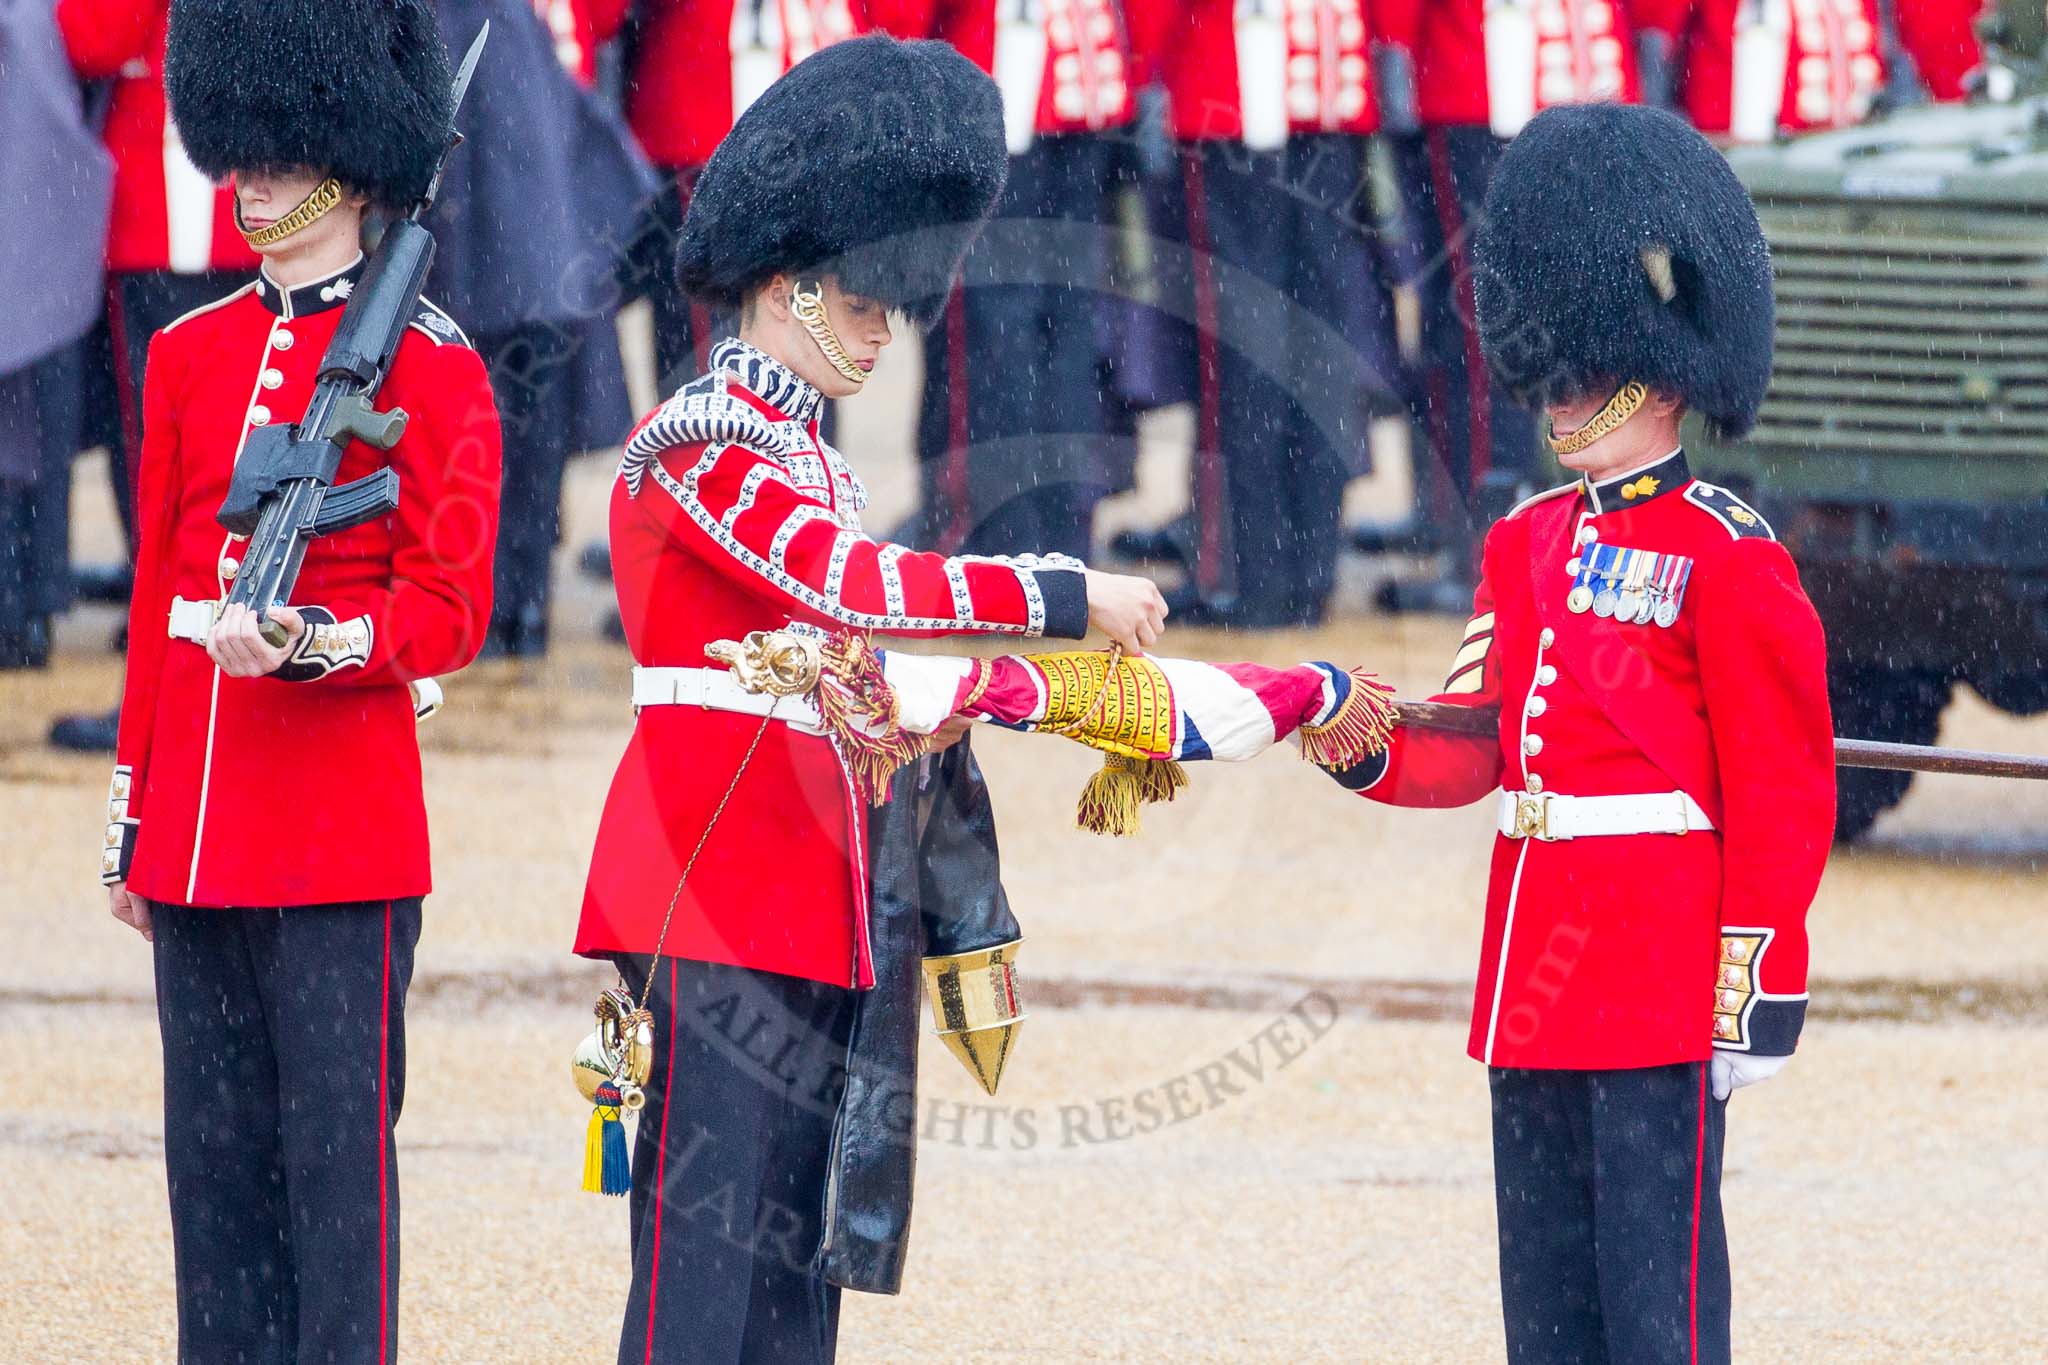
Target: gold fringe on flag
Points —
{"points": [[1110, 800], [1160, 779], [1362, 727]]}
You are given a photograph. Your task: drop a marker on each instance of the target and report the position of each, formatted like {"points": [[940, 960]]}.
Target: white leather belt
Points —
{"points": [[1548, 816], [192, 620], [715, 689]]}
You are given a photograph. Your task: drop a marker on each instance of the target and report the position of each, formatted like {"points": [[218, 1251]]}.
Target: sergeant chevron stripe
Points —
{"points": [[1469, 666]]}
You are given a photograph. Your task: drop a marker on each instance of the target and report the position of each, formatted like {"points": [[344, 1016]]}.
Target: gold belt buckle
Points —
{"points": [[1532, 816]]}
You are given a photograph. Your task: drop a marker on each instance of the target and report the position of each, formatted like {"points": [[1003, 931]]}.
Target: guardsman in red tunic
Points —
{"points": [[697, 65], [1940, 39], [1758, 68], [265, 826], [1482, 69], [1663, 770], [580, 28], [1273, 105], [1013, 424], [728, 879]]}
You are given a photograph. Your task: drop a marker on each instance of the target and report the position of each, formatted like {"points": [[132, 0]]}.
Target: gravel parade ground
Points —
{"points": [[1239, 1125]]}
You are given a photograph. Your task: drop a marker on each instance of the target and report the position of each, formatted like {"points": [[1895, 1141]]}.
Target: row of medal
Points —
{"points": [[1629, 585]]}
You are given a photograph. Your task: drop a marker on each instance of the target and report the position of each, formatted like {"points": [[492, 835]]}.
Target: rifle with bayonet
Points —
{"points": [[1849, 753], [283, 495]]}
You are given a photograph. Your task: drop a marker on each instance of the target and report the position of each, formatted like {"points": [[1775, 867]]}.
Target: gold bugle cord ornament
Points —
{"points": [[611, 1065], [976, 1008], [311, 209], [1619, 409], [620, 1050], [614, 1060], [807, 303]]}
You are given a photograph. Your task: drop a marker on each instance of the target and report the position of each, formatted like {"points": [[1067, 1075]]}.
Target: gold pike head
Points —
{"points": [[976, 1008]]}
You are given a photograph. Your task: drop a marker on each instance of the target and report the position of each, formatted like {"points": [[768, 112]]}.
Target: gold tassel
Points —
{"points": [[1109, 803], [1160, 779], [1362, 727]]}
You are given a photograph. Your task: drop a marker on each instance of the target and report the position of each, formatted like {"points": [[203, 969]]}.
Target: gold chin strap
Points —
{"points": [[807, 302], [1619, 409], [316, 206]]}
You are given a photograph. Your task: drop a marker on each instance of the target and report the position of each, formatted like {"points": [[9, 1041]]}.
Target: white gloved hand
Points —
{"points": [[1730, 1071]]}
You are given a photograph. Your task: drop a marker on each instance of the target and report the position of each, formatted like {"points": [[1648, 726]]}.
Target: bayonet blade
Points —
{"points": [[468, 67]]}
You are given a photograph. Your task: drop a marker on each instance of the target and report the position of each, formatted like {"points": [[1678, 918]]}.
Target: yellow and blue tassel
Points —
{"points": [[606, 1169]]}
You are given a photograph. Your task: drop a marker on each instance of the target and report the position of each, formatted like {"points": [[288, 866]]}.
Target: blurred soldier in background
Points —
{"points": [[55, 186], [1758, 68], [1936, 42], [1272, 104], [580, 29], [171, 244], [1012, 426], [532, 223], [693, 66], [1482, 69]]}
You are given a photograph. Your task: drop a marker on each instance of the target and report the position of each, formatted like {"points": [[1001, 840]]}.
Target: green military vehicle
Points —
{"points": [[1902, 452]]}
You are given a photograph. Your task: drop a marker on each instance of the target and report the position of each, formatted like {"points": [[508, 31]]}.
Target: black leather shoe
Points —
{"points": [[1426, 596], [1168, 543], [595, 561], [27, 645], [1185, 606], [87, 734], [114, 583], [1410, 536]]}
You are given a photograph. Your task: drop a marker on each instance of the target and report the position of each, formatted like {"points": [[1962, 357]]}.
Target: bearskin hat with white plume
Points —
{"points": [[1617, 244]]}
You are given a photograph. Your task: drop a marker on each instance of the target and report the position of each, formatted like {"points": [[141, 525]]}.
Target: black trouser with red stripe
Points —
{"points": [[284, 1071], [1012, 424], [730, 1156], [1295, 354], [1608, 1191], [1476, 444]]}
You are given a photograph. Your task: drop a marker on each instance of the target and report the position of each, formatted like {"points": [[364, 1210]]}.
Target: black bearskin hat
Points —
{"points": [[1618, 245], [356, 88], [873, 160]]}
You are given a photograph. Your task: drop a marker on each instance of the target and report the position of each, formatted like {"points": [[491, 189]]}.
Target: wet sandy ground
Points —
{"points": [[1884, 1194]]}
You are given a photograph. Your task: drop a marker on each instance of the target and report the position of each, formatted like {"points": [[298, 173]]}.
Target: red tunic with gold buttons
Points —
{"points": [[1309, 60], [699, 62], [731, 514], [1082, 82], [1827, 56], [1549, 51], [580, 28], [1823, 62], [302, 787], [1632, 950]]}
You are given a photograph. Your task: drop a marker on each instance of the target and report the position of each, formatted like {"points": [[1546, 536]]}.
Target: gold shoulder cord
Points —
{"points": [[1619, 409], [807, 302], [316, 206]]}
